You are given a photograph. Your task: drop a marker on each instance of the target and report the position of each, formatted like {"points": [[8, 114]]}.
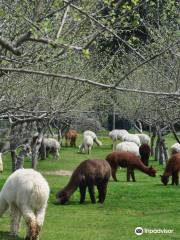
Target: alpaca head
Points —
{"points": [[164, 179], [99, 143], [62, 197], [151, 172]]}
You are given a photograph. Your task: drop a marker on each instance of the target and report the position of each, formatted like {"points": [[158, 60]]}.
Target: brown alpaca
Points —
{"points": [[130, 161], [88, 174], [172, 169], [145, 151], [70, 137]]}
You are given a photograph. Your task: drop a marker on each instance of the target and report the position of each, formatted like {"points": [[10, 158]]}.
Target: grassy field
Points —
{"points": [[145, 203]]}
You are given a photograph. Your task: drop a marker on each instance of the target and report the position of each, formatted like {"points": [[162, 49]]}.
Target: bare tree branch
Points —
{"points": [[9, 46], [63, 21], [98, 84]]}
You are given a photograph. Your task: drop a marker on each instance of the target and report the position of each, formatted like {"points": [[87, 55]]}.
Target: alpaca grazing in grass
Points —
{"points": [[51, 146], [71, 137], [48, 146], [130, 161], [117, 134], [131, 138], [88, 174], [144, 138], [145, 151], [26, 193], [86, 145], [94, 137], [172, 169]]}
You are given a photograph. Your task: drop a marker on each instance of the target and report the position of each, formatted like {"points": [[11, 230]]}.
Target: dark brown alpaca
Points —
{"points": [[88, 174], [130, 161], [70, 137], [172, 169], [145, 152]]}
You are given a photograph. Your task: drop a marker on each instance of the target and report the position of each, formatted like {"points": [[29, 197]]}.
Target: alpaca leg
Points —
{"points": [[102, 189], [173, 178], [31, 222], [57, 155], [91, 193], [132, 175], [72, 142], [176, 178], [128, 174], [15, 220], [40, 219], [113, 172], [75, 142], [82, 188], [3, 206]]}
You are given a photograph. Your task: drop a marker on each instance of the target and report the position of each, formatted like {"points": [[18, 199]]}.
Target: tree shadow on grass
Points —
{"points": [[6, 236]]}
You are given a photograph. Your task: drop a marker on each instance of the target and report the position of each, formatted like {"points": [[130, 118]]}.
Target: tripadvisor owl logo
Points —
{"points": [[138, 231]]}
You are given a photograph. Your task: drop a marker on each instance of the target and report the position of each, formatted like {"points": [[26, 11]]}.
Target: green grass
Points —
{"points": [[146, 203]]}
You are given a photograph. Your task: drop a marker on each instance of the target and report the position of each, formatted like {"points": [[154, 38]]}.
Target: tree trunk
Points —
{"points": [[42, 150], [157, 150], [138, 128], [14, 160], [20, 159], [174, 132], [152, 141], [161, 155], [60, 136], [166, 153], [35, 150], [161, 152]]}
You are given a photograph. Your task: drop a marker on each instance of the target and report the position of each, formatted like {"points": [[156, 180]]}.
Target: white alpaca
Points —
{"points": [[131, 138], [117, 134], [128, 147], [144, 138], [52, 146], [26, 193], [1, 163], [94, 137], [175, 148], [87, 144]]}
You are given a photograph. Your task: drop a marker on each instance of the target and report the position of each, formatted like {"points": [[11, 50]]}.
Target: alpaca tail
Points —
{"points": [[99, 143], [3, 206]]}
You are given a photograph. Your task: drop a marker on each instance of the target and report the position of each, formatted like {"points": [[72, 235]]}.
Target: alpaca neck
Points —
{"points": [[142, 167], [72, 185], [167, 172]]}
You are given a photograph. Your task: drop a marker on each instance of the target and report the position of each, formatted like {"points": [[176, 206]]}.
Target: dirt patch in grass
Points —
{"points": [[58, 173]]}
